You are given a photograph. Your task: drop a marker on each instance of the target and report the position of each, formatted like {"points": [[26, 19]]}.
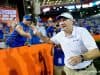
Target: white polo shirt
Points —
{"points": [[78, 43]]}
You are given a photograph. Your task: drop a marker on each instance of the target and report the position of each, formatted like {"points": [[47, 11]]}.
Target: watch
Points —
{"points": [[82, 58]]}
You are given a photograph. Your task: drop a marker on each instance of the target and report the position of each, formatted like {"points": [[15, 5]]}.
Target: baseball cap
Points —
{"points": [[28, 17], [65, 15]]}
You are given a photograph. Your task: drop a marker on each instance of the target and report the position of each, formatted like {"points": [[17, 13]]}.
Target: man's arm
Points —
{"points": [[19, 29], [44, 38], [90, 55], [95, 53], [90, 44], [41, 36]]}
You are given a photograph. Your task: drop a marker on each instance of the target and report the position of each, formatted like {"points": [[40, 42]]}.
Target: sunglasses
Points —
{"points": [[57, 25]]}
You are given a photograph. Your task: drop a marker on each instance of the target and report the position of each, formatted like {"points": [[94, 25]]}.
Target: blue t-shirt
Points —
{"points": [[50, 31], [1, 34], [15, 39], [35, 39]]}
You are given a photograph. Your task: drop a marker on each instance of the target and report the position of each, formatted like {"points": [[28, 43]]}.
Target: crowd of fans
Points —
{"points": [[91, 24], [48, 28]]}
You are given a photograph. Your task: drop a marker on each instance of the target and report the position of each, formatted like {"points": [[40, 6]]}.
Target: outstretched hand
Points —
{"points": [[35, 30]]}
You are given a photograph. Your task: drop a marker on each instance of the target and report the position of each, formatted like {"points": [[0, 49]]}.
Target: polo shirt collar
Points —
{"points": [[73, 32]]}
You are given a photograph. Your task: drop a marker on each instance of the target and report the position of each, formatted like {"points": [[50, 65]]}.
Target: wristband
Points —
{"points": [[82, 58]]}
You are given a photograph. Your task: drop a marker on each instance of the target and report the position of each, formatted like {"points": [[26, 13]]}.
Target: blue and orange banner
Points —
{"points": [[33, 60]]}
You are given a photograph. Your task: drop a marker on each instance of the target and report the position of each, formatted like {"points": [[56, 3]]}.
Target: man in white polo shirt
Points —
{"points": [[78, 46]]}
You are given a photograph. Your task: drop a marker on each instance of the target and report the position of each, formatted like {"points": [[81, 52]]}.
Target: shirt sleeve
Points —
{"points": [[54, 39], [87, 39]]}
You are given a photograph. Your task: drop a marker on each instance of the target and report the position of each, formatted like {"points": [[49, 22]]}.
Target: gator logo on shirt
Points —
{"points": [[75, 40]]}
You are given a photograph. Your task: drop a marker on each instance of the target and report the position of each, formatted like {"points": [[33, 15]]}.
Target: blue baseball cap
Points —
{"points": [[28, 17]]}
